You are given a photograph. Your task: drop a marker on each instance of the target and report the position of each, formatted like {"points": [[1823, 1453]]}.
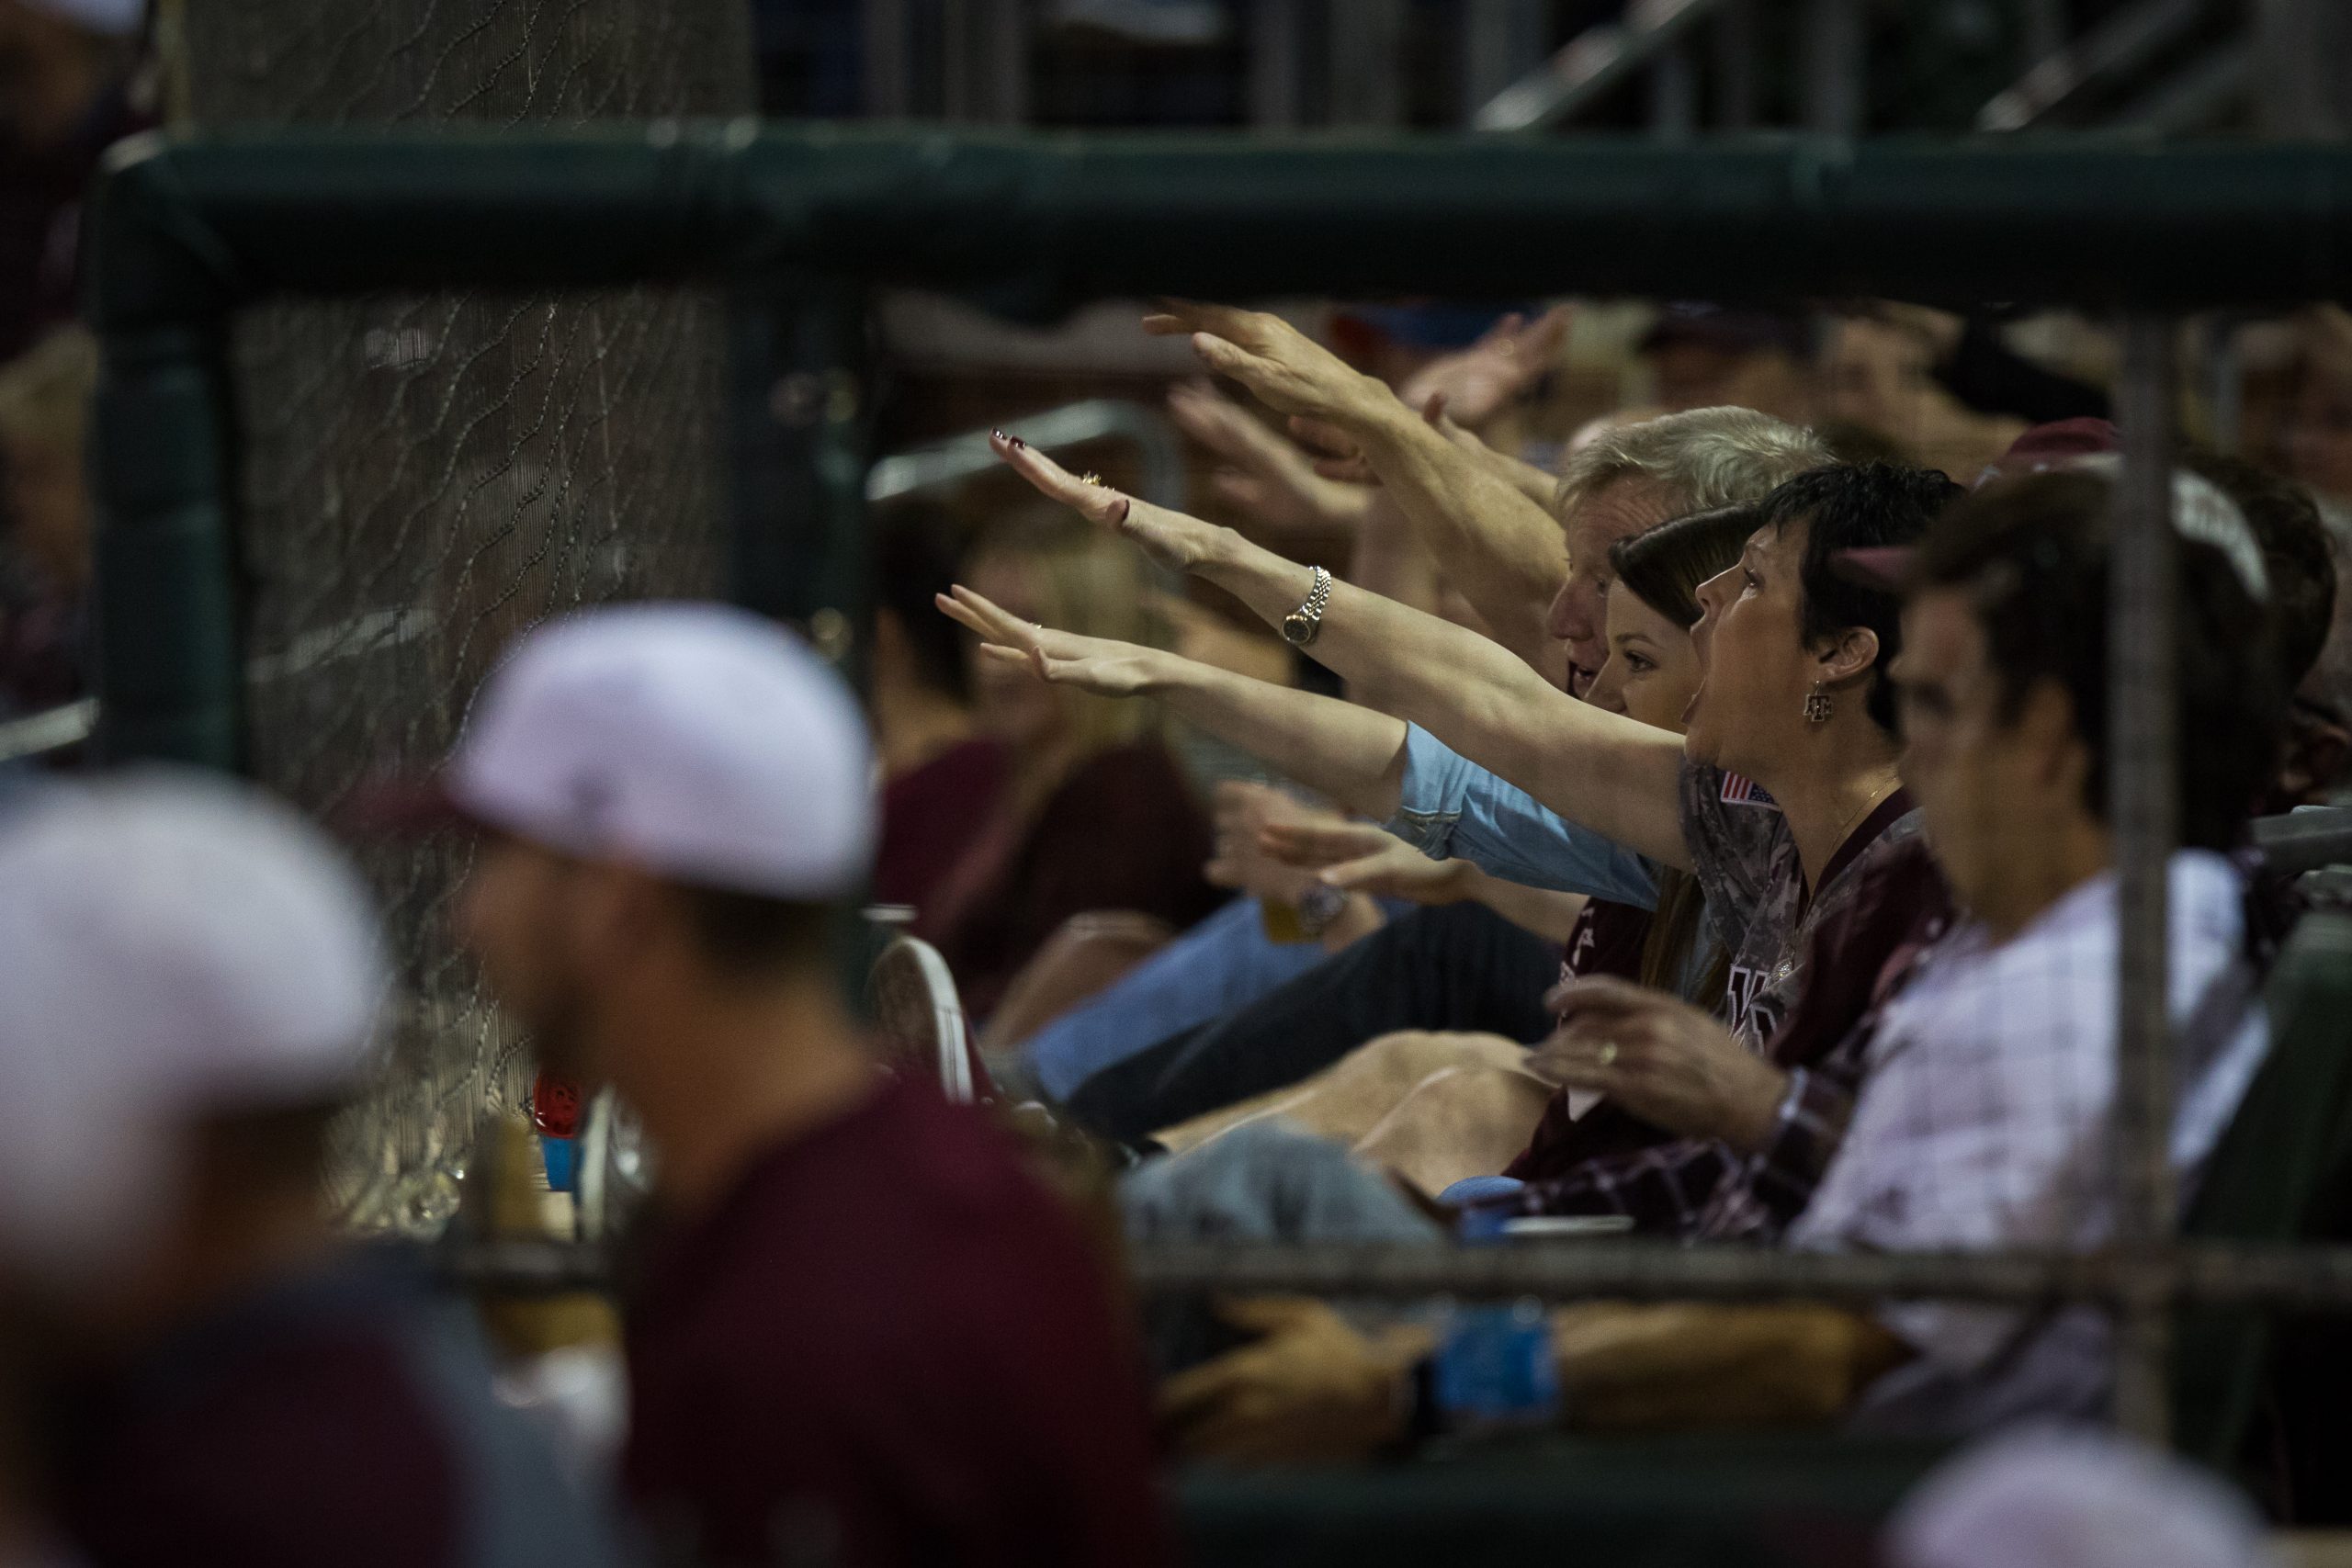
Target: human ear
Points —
{"points": [[1848, 655]]}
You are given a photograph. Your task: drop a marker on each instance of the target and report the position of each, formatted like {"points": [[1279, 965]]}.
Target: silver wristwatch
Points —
{"points": [[1300, 624]]}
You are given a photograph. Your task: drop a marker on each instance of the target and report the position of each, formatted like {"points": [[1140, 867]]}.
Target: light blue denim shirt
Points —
{"points": [[1453, 808]]}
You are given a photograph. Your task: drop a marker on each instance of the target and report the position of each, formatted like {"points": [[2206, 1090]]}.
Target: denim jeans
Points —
{"points": [[1223, 962], [1461, 966]]}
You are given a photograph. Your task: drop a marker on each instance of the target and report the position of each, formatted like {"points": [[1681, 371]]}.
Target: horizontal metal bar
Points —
{"points": [[51, 729], [2305, 840], [2312, 1278], [2299, 1278], [186, 227]]}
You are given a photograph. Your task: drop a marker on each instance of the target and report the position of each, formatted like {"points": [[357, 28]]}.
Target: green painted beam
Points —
{"points": [[1037, 224]]}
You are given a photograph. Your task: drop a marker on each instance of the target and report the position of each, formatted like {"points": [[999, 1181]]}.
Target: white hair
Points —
{"points": [[1704, 458]]}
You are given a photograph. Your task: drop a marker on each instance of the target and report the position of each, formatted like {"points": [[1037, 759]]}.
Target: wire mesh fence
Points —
{"points": [[425, 475]]}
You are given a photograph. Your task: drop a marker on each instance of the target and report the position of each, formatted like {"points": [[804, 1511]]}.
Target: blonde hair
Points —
{"points": [[1705, 457], [1091, 583], [45, 391]]}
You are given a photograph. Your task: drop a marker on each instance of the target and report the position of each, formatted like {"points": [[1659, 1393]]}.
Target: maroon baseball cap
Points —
{"points": [[2055, 445]]}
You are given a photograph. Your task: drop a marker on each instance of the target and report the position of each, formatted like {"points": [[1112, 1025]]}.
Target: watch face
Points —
{"points": [[1298, 630]]}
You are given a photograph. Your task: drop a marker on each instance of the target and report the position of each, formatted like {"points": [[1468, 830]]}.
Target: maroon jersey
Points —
{"points": [[888, 1345], [1606, 940]]}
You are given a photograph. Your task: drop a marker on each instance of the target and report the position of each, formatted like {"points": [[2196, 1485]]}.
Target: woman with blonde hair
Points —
{"points": [[1093, 813]]}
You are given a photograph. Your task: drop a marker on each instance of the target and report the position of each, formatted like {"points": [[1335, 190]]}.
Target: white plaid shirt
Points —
{"points": [[1984, 1122]]}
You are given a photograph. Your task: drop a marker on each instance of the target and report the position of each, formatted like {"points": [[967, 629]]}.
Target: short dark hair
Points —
{"points": [[1853, 506], [2032, 553], [753, 936], [2296, 551], [1663, 566], [914, 559]]}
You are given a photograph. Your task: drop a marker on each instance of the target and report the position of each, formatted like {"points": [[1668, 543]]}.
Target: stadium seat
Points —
{"points": [[921, 1020], [1087, 953], [2281, 1173]]}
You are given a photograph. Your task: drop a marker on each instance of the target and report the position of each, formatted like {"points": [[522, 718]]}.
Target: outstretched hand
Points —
{"points": [[1094, 664], [1171, 538], [1475, 383], [1242, 812], [1263, 475], [1288, 370], [1360, 858], [1662, 1059]]}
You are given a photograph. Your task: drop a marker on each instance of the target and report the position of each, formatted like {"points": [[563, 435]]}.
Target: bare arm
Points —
{"points": [[1501, 548], [1630, 1367], [1612, 774], [1313, 1389], [1349, 755], [1360, 858]]}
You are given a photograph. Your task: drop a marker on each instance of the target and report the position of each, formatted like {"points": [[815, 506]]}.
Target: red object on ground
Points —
{"points": [[555, 1106]]}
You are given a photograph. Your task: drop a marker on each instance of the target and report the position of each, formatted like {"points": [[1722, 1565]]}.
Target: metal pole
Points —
{"points": [[1833, 67], [2042, 33], [890, 88], [2286, 1279], [170, 669], [1674, 96], [1734, 51], [1502, 40], [1000, 54], [2224, 380], [2145, 813], [1367, 49], [1275, 64], [2304, 68]]}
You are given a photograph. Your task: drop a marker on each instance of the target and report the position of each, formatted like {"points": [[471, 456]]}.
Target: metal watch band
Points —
{"points": [[1300, 624]]}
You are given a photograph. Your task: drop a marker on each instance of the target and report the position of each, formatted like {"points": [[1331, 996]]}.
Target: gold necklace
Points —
{"points": [[1838, 839]]}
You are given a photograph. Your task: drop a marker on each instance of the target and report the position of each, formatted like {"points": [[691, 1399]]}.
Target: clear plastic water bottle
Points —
{"points": [[1494, 1367]]}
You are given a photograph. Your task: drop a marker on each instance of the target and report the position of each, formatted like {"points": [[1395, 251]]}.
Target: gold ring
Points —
{"points": [[1089, 478], [1608, 1053]]}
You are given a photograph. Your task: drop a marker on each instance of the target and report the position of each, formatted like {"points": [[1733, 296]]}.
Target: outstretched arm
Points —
{"points": [[1350, 755], [1357, 857], [1312, 1388], [1500, 546], [1601, 770]]}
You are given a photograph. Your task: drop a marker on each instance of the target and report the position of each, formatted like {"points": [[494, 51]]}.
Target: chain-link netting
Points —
{"points": [[424, 476]]}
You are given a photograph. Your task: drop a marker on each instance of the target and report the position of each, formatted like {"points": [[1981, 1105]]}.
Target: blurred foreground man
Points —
{"points": [[191, 975], [1983, 1119], [862, 1334]]}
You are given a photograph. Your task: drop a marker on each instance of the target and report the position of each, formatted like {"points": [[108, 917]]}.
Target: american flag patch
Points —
{"points": [[1738, 791]]}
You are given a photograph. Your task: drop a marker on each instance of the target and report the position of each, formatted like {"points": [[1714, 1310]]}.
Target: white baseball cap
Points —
{"points": [[700, 742], [174, 945], [2045, 1496]]}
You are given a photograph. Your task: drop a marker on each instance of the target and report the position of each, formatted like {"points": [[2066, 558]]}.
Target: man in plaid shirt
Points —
{"points": [[1983, 1122]]}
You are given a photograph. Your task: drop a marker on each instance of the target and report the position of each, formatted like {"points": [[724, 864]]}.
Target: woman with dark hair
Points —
{"points": [[1435, 1108]]}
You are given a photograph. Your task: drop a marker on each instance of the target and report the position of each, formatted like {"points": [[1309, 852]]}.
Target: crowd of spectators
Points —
{"points": [[1691, 819]]}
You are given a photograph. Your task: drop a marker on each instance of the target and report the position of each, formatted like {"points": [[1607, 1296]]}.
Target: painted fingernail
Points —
{"points": [[1000, 434], [1119, 513]]}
